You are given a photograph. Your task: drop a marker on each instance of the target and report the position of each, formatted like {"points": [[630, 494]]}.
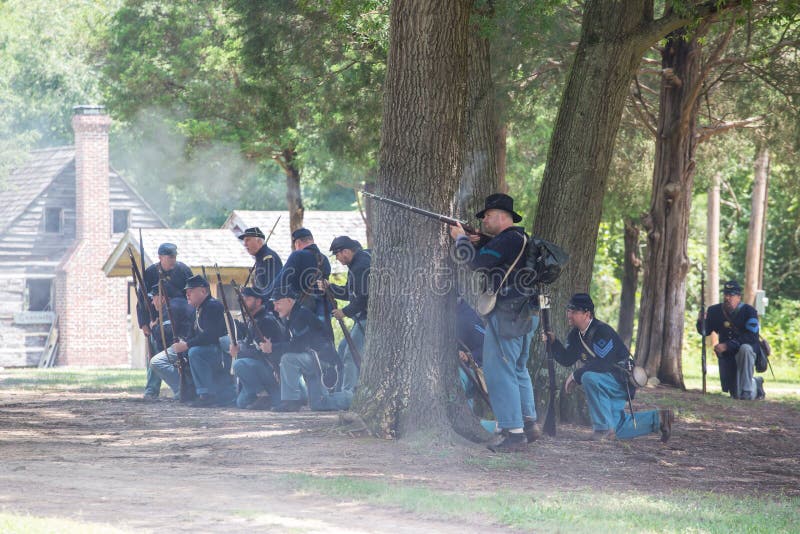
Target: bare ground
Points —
{"points": [[111, 458]]}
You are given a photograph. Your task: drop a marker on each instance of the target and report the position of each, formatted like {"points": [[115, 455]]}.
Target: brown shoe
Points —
{"points": [[667, 418], [604, 435], [532, 430], [511, 443]]}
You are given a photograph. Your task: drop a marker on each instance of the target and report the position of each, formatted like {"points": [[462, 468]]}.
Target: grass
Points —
{"points": [[13, 524], [577, 511], [71, 379]]}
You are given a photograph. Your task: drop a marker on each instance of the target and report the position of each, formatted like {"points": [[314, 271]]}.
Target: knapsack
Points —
{"points": [[544, 262]]}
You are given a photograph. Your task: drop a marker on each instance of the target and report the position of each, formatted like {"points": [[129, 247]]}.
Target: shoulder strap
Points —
{"points": [[516, 260]]}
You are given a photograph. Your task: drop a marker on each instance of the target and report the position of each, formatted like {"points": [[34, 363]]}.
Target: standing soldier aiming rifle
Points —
{"points": [[511, 322]]}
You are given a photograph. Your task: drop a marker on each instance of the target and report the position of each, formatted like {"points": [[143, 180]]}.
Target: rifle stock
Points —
{"points": [[345, 331], [549, 426], [229, 324]]}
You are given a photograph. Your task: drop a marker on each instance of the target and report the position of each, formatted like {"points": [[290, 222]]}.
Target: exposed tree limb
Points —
{"points": [[706, 132]]}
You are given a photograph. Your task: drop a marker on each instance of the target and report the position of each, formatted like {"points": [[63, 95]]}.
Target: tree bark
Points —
{"points": [[632, 264], [755, 233], [660, 335], [712, 249], [294, 196], [409, 372], [500, 153], [571, 197]]}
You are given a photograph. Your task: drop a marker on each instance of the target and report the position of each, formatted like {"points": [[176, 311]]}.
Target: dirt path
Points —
{"points": [[111, 458]]}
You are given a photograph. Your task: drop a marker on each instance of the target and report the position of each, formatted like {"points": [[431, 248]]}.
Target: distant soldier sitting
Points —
{"points": [[163, 364], [203, 343], [268, 263], [349, 253], [303, 268], [308, 353], [255, 371], [738, 329], [174, 274], [603, 372]]}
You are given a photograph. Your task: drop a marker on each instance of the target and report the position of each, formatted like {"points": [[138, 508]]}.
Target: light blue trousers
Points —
{"points": [[507, 377], [606, 399], [297, 365], [350, 371], [255, 376]]}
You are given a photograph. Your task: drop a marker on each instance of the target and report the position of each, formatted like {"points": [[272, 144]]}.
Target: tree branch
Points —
{"points": [[657, 29], [706, 132]]}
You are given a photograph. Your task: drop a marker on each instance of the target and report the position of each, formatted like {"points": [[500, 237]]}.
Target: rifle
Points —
{"points": [[184, 393], [430, 214], [550, 419], [345, 331], [474, 373], [229, 324], [703, 321], [141, 298]]}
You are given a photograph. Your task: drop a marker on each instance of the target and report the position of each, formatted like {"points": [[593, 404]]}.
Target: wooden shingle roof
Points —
{"points": [[27, 182]]}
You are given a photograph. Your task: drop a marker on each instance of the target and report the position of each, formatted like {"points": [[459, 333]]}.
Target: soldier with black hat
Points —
{"points": [[303, 268], [510, 323], [308, 353], [163, 364], [206, 358], [604, 372], [357, 260], [268, 263], [175, 275], [255, 371], [738, 328]]}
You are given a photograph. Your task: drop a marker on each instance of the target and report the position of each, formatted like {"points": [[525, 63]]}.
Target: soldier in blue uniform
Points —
{"points": [[268, 263], [738, 329], [357, 260], [206, 358], [308, 353], [254, 369], [163, 364], [510, 325], [604, 359], [303, 268], [175, 275]]}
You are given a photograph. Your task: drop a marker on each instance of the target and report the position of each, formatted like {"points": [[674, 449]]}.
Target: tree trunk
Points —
{"points": [[752, 260], [500, 153], [712, 250], [369, 210], [632, 264], [764, 233], [294, 196], [660, 335], [574, 183], [479, 177], [409, 382]]}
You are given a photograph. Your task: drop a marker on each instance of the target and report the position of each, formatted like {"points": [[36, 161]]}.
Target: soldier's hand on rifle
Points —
{"points": [[234, 350], [719, 348], [456, 231], [265, 346], [338, 314], [570, 384], [180, 346], [146, 330], [463, 356], [548, 337], [323, 284]]}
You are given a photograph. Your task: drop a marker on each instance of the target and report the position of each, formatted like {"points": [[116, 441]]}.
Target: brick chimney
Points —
{"points": [[91, 307]]}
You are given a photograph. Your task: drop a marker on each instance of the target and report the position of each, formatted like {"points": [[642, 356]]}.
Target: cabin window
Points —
{"points": [[38, 295], [122, 221], [53, 220]]}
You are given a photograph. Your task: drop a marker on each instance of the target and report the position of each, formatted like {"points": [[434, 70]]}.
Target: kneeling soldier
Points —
{"points": [[603, 375], [203, 343], [307, 349], [163, 366], [255, 371]]}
